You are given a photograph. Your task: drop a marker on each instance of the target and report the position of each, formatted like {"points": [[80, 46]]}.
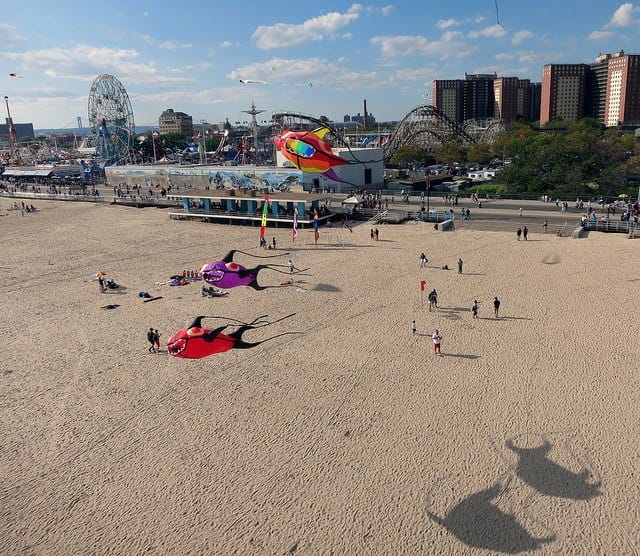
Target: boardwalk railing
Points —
{"points": [[615, 226]]}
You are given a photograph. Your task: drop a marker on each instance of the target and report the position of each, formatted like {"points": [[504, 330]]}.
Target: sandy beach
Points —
{"points": [[345, 436]]}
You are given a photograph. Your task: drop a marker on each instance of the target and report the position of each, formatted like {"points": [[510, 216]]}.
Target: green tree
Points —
{"points": [[411, 153], [451, 152]]}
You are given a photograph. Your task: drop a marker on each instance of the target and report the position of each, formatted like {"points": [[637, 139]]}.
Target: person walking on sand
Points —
{"points": [[474, 309], [459, 266], [156, 339], [437, 338], [525, 231], [518, 233], [496, 306], [520, 212], [423, 260], [413, 327], [101, 283], [544, 226], [273, 241], [433, 300], [151, 338]]}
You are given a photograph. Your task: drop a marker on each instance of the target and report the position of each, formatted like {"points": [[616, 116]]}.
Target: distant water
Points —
{"points": [[85, 130]]}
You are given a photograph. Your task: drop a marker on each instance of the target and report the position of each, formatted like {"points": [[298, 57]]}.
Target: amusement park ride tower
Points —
{"points": [[12, 130], [254, 127]]}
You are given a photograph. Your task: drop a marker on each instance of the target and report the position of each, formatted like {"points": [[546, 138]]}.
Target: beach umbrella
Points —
{"points": [[623, 196]]}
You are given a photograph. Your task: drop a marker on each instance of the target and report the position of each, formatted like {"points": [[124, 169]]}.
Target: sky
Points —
{"points": [[318, 58]]}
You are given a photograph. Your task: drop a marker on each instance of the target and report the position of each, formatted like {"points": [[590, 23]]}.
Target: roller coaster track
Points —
{"points": [[425, 126]]}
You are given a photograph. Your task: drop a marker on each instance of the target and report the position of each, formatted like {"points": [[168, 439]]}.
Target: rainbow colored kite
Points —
{"points": [[308, 152]]}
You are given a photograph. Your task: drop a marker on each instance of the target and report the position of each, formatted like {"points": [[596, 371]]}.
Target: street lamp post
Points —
{"points": [[203, 152], [153, 143]]}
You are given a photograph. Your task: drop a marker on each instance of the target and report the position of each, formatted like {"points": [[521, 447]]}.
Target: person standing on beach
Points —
{"points": [[433, 300], [519, 233], [413, 327], [151, 338], [544, 226], [423, 260], [496, 306], [525, 231], [459, 266], [437, 338], [156, 339], [101, 283], [474, 309], [273, 241]]}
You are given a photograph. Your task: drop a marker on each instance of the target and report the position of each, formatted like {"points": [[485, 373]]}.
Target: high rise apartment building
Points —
{"points": [[478, 96], [563, 92], [622, 105], [512, 99], [175, 122], [448, 97]]}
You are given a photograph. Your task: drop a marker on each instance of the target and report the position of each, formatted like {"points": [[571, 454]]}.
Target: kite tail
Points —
{"points": [[335, 177], [241, 344], [263, 256]]}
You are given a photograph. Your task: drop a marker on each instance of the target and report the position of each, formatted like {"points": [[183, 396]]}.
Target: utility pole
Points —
{"points": [[203, 152]]}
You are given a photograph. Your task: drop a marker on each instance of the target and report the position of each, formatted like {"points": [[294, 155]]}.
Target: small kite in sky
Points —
{"points": [[196, 342], [14, 74], [257, 81]]}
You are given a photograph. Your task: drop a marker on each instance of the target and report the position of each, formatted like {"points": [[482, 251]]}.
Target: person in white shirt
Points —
{"points": [[437, 338]]}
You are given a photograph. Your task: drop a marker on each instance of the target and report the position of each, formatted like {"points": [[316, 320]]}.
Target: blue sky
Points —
{"points": [[320, 58]]}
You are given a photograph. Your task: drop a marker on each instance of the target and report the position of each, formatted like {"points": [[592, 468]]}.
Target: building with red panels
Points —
{"points": [[622, 106], [563, 92], [512, 97], [448, 97]]}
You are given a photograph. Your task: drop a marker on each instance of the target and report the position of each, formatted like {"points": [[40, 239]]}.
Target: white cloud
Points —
{"points": [[301, 72], [413, 74], [170, 45], [145, 14], [520, 36], [286, 35], [601, 35], [623, 16], [446, 23], [9, 34], [372, 10], [412, 45], [494, 31], [226, 44], [386, 10], [84, 63], [503, 56], [529, 56]]}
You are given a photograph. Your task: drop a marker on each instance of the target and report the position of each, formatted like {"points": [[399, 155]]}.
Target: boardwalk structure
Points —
{"points": [[244, 207]]}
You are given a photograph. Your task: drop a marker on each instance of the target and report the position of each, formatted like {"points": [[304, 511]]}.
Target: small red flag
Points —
{"points": [[423, 283]]}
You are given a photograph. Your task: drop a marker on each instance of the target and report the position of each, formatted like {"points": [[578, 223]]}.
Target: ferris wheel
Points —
{"points": [[111, 120]]}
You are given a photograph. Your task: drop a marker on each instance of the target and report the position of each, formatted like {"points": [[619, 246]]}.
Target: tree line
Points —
{"points": [[564, 158]]}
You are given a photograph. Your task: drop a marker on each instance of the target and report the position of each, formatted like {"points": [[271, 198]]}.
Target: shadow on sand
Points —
{"points": [[547, 477], [461, 355], [326, 288], [477, 522]]}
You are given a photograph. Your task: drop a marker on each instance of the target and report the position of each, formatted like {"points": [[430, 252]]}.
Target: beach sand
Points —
{"points": [[347, 437]]}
